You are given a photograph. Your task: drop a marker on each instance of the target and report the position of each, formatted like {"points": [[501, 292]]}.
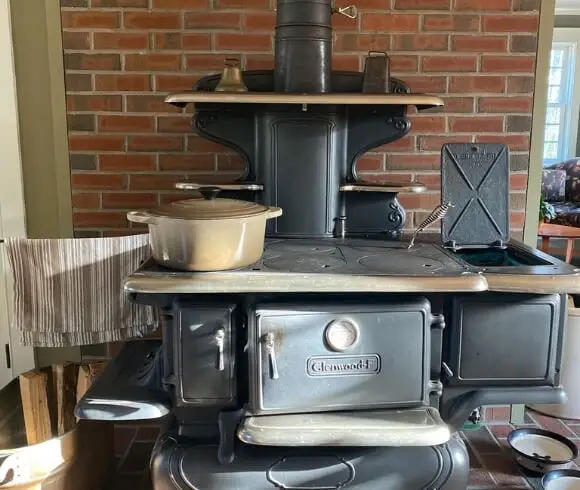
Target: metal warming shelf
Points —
{"points": [[419, 100]]}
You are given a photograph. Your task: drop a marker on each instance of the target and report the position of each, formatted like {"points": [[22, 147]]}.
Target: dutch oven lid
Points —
{"points": [[210, 209]]}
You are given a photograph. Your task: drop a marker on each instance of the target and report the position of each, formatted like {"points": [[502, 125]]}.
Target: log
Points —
{"points": [[34, 390], [64, 378]]}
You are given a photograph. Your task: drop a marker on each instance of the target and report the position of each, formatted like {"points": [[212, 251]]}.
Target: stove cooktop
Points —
{"points": [[369, 266]]}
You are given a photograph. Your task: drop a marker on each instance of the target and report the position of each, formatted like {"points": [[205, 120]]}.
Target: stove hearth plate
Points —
{"points": [[304, 263]]}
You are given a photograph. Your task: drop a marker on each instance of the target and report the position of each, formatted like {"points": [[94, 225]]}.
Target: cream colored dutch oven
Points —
{"points": [[206, 234]]}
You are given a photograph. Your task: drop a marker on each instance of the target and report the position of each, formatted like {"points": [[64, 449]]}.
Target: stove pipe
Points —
{"points": [[303, 46]]}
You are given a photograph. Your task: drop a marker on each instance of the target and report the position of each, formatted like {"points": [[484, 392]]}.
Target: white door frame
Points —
{"points": [[12, 214]]}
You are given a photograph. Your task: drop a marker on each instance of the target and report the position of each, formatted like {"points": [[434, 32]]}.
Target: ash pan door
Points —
{"points": [[336, 357]]}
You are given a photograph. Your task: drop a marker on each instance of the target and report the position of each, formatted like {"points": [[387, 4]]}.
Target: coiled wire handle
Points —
{"points": [[438, 213]]}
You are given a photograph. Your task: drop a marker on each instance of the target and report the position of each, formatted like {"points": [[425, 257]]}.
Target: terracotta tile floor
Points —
{"points": [[492, 466]]}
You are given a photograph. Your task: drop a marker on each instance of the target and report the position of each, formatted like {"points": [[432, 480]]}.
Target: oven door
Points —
{"points": [[205, 358], [332, 357]]}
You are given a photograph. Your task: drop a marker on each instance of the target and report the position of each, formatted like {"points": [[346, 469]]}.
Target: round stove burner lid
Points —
{"points": [[400, 262], [304, 263]]}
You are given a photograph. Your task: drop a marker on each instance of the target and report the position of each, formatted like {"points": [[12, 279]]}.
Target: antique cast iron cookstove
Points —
{"points": [[344, 358]]}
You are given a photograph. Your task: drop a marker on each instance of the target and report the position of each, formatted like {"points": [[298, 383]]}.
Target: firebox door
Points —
{"points": [[338, 357]]}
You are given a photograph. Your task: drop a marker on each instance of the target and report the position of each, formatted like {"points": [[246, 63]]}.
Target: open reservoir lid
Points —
{"points": [[475, 179]]}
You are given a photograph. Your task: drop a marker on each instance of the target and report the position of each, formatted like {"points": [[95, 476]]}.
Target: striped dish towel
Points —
{"points": [[69, 292]]}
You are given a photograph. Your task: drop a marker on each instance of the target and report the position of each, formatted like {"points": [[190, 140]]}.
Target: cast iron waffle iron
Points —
{"points": [[475, 180]]}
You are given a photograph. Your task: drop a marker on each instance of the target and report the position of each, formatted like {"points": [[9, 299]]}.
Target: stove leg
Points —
{"points": [[228, 422], [459, 472]]}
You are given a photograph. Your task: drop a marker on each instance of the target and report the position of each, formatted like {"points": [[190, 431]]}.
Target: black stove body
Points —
{"points": [[343, 358]]}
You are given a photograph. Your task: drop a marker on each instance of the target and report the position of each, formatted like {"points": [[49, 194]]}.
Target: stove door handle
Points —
{"points": [[220, 337], [271, 351]]}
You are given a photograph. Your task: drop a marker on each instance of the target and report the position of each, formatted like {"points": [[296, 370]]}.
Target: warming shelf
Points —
{"points": [[419, 100]]}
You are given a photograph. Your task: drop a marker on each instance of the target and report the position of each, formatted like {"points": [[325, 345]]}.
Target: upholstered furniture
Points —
{"points": [[561, 188]]}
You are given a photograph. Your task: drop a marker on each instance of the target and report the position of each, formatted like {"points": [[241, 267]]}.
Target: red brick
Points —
{"points": [[92, 61], [194, 163], [151, 20], [76, 40], [420, 201], [95, 219], [508, 64], [506, 104], [212, 20], [149, 103], [180, 4], [404, 63], [422, 84], [428, 124], [260, 21], [456, 23], [121, 40], [404, 144], [120, 3], [93, 20], [152, 62], [178, 41], [122, 83], [371, 163], [483, 5], [432, 181], [476, 124], [94, 103], [511, 23], [390, 22], [154, 182], [204, 62], [230, 162], [174, 124], [450, 63], [346, 62], [259, 62], [96, 142], [197, 144], [343, 23], [515, 142], [459, 105], [86, 200], [155, 143], [243, 4], [518, 182], [243, 42], [420, 42], [477, 84], [423, 4], [362, 42], [480, 44], [175, 83], [517, 219], [126, 200], [421, 161], [117, 123], [126, 162], [98, 181], [371, 4], [435, 143]]}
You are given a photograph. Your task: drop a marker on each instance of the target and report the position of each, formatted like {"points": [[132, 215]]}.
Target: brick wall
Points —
{"points": [[121, 57]]}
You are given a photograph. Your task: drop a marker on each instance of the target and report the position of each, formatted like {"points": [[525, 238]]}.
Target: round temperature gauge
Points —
{"points": [[341, 335]]}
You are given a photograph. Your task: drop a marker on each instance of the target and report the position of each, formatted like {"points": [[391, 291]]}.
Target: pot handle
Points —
{"points": [[140, 216], [274, 212]]}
